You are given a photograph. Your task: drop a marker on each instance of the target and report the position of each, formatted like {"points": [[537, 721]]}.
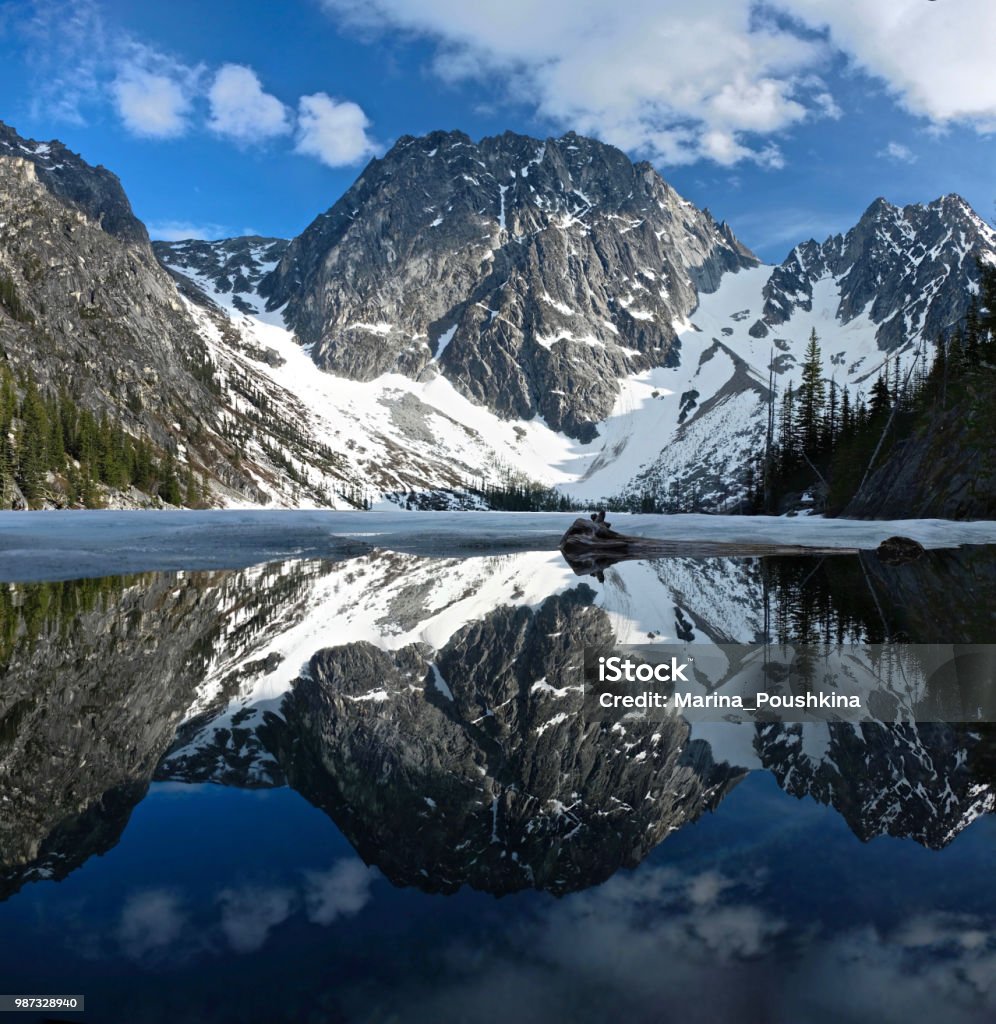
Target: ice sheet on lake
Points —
{"points": [[66, 545]]}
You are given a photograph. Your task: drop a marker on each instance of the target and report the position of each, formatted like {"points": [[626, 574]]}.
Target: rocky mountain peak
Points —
{"points": [[94, 190], [903, 268], [534, 274]]}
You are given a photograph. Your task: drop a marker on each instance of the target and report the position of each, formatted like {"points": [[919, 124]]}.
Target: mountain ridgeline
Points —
{"points": [[477, 320]]}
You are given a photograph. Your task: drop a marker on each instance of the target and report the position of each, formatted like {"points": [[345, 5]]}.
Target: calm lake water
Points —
{"points": [[361, 789]]}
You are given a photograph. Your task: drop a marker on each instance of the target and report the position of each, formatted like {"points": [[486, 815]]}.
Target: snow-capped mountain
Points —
{"points": [[551, 311], [533, 274], [233, 266], [504, 311], [906, 268]]}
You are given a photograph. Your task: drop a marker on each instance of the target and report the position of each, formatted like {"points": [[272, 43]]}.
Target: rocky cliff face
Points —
{"points": [[95, 310], [94, 191], [95, 313], [532, 274], [945, 470]]}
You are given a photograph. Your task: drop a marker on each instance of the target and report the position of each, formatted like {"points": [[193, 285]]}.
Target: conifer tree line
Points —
{"points": [[515, 494], [821, 436], [512, 492], [49, 433]]}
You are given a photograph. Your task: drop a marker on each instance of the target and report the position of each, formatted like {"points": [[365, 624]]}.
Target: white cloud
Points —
{"points": [[334, 131], [711, 80], [249, 914], [675, 82], [150, 922], [150, 103], [342, 891], [241, 110], [899, 153], [178, 230], [828, 105], [936, 59], [82, 63], [69, 47]]}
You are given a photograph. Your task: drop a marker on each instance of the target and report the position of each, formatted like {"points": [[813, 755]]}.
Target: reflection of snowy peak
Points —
{"points": [[915, 781], [392, 600], [461, 653], [445, 694], [474, 765]]}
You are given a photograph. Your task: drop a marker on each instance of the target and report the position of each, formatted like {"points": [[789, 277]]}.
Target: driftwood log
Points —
{"points": [[595, 533], [590, 546]]}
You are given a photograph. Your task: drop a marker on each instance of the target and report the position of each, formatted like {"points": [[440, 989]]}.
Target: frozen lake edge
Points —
{"points": [[37, 546]]}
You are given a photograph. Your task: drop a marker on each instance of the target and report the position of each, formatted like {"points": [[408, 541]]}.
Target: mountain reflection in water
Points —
{"points": [[431, 709]]}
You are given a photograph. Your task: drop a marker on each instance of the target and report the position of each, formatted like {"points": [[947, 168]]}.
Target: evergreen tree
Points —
{"points": [[788, 450], [169, 485], [937, 376], [8, 467], [973, 333], [32, 445], [987, 303], [881, 398], [846, 416], [811, 399], [831, 425], [191, 497]]}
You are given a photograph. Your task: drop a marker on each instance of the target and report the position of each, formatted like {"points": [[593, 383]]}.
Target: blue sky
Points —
{"points": [[231, 116]]}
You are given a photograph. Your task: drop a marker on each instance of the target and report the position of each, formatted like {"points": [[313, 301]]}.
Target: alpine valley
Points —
{"points": [[469, 320]]}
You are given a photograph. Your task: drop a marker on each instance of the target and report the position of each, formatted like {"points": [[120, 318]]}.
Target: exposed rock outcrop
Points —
{"points": [[532, 274]]}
